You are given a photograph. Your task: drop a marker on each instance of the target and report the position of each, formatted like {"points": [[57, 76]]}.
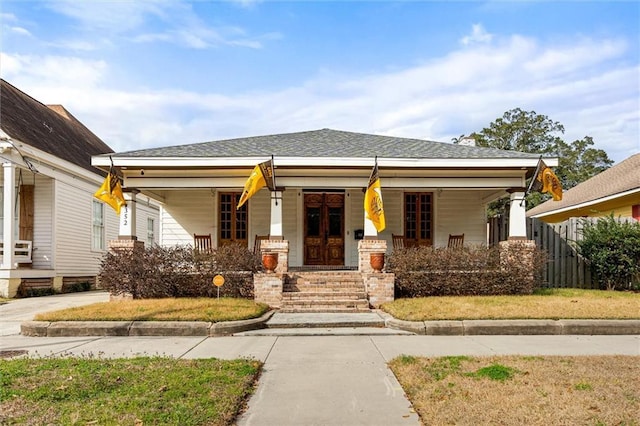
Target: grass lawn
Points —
{"points": [[181, 309], [139, 391], [544, 304], [518, 390]]}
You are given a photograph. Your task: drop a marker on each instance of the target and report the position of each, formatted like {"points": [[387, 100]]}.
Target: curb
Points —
{"points": [[140, 328], [516, 327], [425, 328]]}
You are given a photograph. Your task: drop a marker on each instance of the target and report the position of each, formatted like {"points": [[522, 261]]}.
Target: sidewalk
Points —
{"points": [[318, 379]]}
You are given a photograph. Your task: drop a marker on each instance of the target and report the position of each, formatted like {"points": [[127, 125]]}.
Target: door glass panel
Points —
{"points": [[313, 221], [410, 224], [335, 221], [425, 216], [225, 216], [241, 223]]}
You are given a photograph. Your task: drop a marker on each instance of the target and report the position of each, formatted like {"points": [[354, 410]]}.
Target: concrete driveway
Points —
{"points": [[19, 310]]}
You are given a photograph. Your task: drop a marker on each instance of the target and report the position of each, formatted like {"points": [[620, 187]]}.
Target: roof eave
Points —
{"points": [[585, 204], [103, 161]]}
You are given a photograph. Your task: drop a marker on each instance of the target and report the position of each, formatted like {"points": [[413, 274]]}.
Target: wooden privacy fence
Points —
{"points": [[566, 267]]}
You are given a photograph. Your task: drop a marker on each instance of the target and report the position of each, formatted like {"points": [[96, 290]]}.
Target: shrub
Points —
{"points": [[25, 291], [428, 271], [76, 287], [179, 271], [612, 249]]}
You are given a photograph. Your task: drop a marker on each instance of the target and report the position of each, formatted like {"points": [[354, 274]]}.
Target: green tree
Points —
{"points": [[579, 162], [528, 131], [524, 131]]}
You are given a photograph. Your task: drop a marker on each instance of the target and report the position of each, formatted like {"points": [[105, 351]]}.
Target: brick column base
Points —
{"points": [[365, 248], [282, 248], [267, 288], [125, 244], [379, 287], [520, 252]]}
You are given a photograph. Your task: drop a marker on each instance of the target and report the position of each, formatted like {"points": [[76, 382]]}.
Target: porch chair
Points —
{"points": [[456, 241], [257, 242], [398, 241], [202, 243]]}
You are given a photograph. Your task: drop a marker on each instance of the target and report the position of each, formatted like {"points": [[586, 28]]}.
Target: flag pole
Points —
{"points": [[535, 176], [273, 179]]}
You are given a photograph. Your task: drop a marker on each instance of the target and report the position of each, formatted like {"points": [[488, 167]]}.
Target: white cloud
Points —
{"points": [[478, 35], [108, 16], [150, 21], [591, 94], [20, 31], [8, 17], [64, 72]]}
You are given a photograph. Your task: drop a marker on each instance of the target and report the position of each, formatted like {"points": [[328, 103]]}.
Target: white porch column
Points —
{"points": [[9, 194], [517, 215], [275, 228], [369, 228], [128, 216]]}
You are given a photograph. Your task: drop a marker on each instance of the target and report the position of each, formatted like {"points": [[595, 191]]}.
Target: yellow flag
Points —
{"points": [[111, 192], [551, 184], [547, 181], [252, 185], [373, 201]]}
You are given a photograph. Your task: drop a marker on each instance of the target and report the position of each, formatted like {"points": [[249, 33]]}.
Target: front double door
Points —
{"points": [[324, 229]]}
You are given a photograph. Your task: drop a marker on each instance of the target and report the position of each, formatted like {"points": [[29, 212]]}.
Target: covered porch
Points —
{"points": [[314, 218]]}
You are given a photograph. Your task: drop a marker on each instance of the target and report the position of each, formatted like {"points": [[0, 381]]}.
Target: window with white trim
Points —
{"points": [[151, 235], [97, 227]]}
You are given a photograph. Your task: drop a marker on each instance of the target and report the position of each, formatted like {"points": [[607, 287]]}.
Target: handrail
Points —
{"points": [[22, 251]]}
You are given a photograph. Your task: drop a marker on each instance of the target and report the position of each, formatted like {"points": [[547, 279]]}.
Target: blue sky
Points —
{"points": [[165, 72]]}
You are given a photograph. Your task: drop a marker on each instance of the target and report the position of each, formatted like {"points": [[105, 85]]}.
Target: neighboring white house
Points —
{"points": [[430, 190], [58, 231]]}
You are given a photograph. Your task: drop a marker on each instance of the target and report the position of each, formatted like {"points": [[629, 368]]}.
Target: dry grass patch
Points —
{"points": [[181, 309], [512, 390], [545, 304]]}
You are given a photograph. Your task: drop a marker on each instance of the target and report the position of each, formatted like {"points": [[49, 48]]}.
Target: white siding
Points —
{"points": [[145, 211], [72, 229], [354, 219], [290, 225], [458, 212], [186, 213], [259, 215], [354, 211], [43, 218]]}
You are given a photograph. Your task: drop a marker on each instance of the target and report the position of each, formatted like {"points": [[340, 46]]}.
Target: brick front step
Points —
{"points": [[323, 286], [324, 295], [325, 305], [325, 291]]}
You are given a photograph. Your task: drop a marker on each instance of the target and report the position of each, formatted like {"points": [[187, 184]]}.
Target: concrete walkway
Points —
{"points": [[324, 379]]}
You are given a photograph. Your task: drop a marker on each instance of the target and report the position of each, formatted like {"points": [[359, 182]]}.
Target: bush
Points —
{"points": [[428, 271], [25, 291], [76, 287], [612, 248], [179, 271]]}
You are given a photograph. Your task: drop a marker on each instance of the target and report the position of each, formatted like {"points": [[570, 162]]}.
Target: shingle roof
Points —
{"points": [[623, 177], [51, 129], [327, 143]]}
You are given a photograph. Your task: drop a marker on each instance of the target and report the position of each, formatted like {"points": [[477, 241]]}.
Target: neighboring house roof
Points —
{"points": [[327, 143], [620, 180], [50, 129]]}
